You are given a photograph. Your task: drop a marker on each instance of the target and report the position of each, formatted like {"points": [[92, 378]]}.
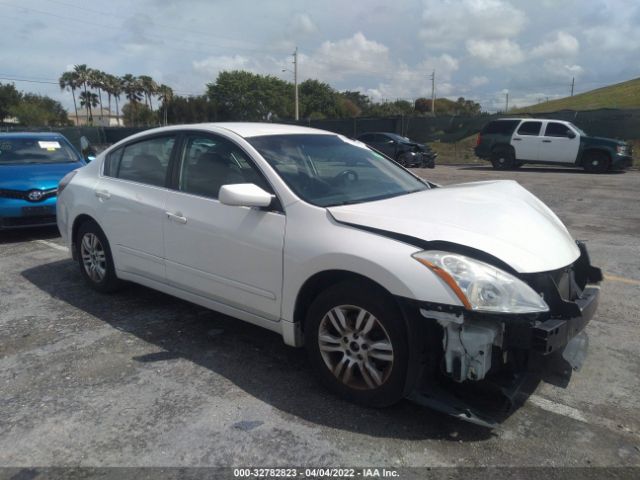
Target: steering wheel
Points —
{"points": [[350, 176]]}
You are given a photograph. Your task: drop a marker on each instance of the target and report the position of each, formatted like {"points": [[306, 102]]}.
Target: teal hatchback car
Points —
{"points": [[31, 165]]}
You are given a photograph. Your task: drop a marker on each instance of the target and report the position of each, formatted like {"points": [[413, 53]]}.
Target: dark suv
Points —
{"points": [[404, 151], [510, 142]]}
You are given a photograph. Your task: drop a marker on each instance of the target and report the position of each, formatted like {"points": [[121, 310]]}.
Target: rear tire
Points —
{"points": [[357, 343], [94, 258], [503, 158], [596, 162]]}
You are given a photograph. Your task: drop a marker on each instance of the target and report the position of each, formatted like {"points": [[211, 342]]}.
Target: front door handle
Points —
{"points": [[103, 194], [546, 141], [517, 139], [176, 217]]}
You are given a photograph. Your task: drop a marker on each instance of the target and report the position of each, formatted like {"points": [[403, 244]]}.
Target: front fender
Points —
{"points": [[334, 246]]}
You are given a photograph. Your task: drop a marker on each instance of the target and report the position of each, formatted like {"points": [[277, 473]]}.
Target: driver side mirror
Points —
{"points": [[244, 195], [571, 134], [87, 151]]}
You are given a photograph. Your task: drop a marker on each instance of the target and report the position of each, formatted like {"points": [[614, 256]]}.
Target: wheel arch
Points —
{"points": [[78, 221], [589, 150], [320, 281]]}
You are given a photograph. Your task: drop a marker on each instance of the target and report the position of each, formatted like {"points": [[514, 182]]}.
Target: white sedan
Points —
{"points": [[397, 287]]}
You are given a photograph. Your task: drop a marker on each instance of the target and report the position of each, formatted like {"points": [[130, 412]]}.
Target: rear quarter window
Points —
{"points": [[500, 127]]}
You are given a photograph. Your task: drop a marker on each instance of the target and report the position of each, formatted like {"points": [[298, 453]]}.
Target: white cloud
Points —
{"points": [[301, 24], [476, 82], [562, 45], [350, 56], [446, 23], [496, 53], [211, 66]]}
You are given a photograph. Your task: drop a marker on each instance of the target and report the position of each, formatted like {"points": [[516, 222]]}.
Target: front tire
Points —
{"points": [[596, 162], [503, 159], [357, 343], [94, 258]]}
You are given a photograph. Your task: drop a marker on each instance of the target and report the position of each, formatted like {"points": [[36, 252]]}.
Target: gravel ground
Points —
{"points": [[143, 379]]}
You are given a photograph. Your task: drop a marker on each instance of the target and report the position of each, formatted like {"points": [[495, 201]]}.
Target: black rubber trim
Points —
{"points": [[437, 245]]}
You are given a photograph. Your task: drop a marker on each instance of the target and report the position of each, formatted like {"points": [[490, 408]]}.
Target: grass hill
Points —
{"points": [[620, 95]]}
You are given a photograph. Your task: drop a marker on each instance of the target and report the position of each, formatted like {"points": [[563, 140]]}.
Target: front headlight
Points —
{"points": [[622, 149], [480, 286]]}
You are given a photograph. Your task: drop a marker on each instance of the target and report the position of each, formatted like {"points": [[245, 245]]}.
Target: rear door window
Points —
{"points": [[555, 129], [500, 127], [145, 161], [530, 128]]}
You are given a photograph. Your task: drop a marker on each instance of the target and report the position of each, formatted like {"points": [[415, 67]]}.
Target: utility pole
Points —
{"points": [[573, 83], [295, 81], [433, 92], [506, 108]]}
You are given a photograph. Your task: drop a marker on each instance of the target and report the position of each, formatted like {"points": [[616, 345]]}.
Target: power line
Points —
{"points": [[164, 26], [84, 23]]}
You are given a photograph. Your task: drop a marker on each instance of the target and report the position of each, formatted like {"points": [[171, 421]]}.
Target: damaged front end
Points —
{"points": [[481, 366]]}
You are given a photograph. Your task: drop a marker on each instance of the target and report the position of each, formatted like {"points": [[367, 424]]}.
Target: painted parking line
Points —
{"points": [[55, 246], [584, 417], [615, 278]]}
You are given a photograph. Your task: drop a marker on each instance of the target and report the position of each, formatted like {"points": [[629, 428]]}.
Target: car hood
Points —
{"points": [[500, 218], [42, 176]]}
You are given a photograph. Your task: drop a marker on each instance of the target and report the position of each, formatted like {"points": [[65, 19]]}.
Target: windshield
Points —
{"points": [[35, 150], [398, 138], [327, 170]]}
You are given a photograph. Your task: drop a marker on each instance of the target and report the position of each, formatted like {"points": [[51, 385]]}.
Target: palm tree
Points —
{"points": [[165, 95], [132, 90], [88, 100], [116, 90], [149, 88], [97, 81], [110, 84], [83, 74], [69, 80]]}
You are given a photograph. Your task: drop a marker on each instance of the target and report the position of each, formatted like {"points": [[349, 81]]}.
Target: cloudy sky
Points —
{"points": [[480, 49]]}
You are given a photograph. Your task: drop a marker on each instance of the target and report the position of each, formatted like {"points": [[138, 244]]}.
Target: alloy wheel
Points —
{"points": [[355, 347], [93, 257]]}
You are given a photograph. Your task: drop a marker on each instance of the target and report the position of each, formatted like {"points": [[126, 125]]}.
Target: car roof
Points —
{"points": [[30, 135], [244, 129], [529, 118]]}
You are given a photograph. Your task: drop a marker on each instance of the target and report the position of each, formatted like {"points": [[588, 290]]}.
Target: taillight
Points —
{"points": [[65, 180], [478, 140]]}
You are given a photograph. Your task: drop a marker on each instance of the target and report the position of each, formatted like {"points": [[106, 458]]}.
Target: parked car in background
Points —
{"points": [[31, 165], [395, 286], [511, 142], [404, 151]]}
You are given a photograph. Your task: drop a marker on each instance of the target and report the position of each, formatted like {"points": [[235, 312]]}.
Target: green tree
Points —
{"points": [[388, 109], [83, 74], [88, 100], [149, 88], [247, 96], [133, 92], [320, 100], [360, 100], [9, 97], [191, 109], [97, 80], [38, 110], [69, 81], [138, 114], [165, 95]]}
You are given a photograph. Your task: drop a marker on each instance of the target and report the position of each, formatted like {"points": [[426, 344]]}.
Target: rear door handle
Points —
{"points": [[176, 217], [546, 141], [517, 139], [103, 194]]}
